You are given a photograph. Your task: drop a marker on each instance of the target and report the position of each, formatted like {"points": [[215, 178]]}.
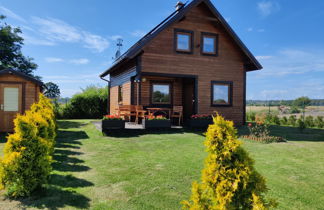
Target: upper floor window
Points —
{"points": [[161, 93], [221, 93], [209, 44], [183, 41]]}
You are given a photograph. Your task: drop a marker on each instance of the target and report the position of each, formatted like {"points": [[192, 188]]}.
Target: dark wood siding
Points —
{"points": [[159, 56]]}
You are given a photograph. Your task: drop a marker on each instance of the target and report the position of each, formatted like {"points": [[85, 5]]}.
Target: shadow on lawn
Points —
{"points": [[131, 133], [61, 191], [70, 124], [291, 133]]}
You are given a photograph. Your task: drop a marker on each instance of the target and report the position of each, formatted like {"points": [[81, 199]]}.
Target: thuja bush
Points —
{"points": [[309, 121], [292, 120], [27, 159], [229, 180], [319, 122]]}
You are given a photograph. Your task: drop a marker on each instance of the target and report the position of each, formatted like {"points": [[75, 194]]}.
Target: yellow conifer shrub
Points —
{"points": [[27, 159], [229, 180]]}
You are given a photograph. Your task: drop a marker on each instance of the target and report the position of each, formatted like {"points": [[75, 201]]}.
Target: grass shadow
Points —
{"points": [[54, 197], [69, 124], [68, 181], [131, 133], [3, 137], [61, 192]]}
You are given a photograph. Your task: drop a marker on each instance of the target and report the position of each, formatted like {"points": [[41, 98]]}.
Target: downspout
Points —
{"points": [[108, 99]]}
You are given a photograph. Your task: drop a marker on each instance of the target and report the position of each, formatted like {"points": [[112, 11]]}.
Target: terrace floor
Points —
{"points": [[131, 126]]}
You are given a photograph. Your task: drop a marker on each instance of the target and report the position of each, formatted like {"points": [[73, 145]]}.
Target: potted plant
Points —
{"points": [[156, 122], [199, 121], [112, 122]]}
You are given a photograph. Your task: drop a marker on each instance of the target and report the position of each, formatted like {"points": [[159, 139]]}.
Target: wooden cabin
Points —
{"points": [[192, 59], [17, 93]]}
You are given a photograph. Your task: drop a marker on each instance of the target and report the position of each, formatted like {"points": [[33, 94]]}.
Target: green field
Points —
{"points": [[155, 171]]}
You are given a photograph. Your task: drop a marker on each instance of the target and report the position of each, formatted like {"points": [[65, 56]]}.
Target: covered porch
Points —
{"points": [[162, 94]]}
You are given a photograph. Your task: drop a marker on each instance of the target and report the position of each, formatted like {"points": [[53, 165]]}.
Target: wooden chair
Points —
{"points": [[140, 113], [124, 111], [132, 112], [177, 112]]}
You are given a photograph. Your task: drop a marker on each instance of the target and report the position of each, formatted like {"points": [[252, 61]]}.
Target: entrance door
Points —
{"points": [[10, 105], [188, 97]]}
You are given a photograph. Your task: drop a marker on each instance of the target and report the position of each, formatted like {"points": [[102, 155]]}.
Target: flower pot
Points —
{"points": [[155, 124], [112, 124], [199, 123]]}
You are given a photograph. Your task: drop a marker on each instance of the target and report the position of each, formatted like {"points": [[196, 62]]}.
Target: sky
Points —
{"points": [[74, 41]]}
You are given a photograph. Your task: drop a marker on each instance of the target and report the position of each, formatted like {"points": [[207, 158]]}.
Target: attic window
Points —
{"points": [[183, 41], [209, 44]]}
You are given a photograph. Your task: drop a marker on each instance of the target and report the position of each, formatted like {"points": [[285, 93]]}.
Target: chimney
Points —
{"points": [[179, 5]]}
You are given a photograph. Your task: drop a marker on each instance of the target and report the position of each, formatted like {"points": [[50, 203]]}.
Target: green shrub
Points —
{"points": [[309, 122], [27, 154], [258, 129], [319, 122], [276, 120], [284, 120], [229, 180], [294, 110], [90, 104], [292, 120], [250, 116], [301, 125]]}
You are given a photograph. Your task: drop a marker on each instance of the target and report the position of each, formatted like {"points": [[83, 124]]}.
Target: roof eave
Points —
{"points": [[25, 76]]}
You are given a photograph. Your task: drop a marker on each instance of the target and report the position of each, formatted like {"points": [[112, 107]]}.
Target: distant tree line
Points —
{"points": [[313, 102]]}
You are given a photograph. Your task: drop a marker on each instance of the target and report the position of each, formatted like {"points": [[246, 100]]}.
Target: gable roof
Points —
{"points": [[136, 49], [22, 75]]}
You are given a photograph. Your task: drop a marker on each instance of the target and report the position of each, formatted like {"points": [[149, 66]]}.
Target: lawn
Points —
{"points": [[155, 171]]}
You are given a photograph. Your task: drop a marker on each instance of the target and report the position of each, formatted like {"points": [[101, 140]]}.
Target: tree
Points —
{"points": [[52, 90], [302, 103], [229, 180], [10, 50]]}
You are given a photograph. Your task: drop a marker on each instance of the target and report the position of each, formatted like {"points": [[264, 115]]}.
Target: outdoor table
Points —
{"points": [[154, 110]]}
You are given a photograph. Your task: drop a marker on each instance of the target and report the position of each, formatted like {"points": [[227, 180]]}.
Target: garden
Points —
{"points": [[156, 170]]}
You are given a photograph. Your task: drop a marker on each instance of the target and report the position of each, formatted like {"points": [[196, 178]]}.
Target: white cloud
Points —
{"points": [[11, 14], [268, 7], [95, 42], [263, 57], [80, 61], [138, 33], [53, 60], [58, 31], [291, 62], [261, 30], [250, 29], [115, 37], [36, 41]]}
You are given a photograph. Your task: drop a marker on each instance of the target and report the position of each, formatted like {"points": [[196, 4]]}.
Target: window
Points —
{"points": [[209, 44], [11, 99], [183, 41], [161, 93], [120, 94], [221, 93]]}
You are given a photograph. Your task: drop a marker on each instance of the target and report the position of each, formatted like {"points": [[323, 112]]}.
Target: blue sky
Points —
{"points": [[74, 41]]}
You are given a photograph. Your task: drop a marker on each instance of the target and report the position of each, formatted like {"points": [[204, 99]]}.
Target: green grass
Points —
{"points": [[155, 171]]}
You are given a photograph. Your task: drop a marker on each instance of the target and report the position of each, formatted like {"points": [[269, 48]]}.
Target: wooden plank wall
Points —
{"points": [[31, 89], [146, 88], [114, 97], [159, 56]]}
